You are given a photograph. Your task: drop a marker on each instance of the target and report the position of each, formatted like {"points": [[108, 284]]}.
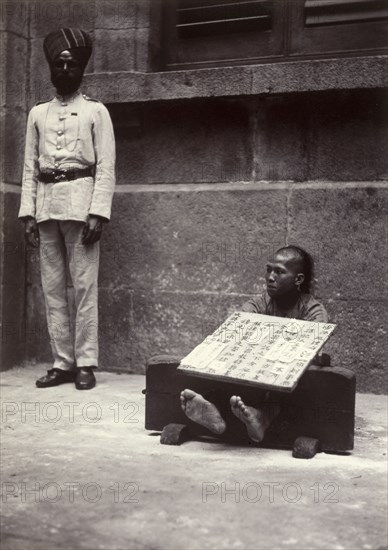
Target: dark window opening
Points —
{"points": [[195, 18], [208, 33], [339, 12]]}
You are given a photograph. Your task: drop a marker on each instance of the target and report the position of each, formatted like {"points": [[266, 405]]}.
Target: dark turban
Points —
{"points": [[76, 41]]}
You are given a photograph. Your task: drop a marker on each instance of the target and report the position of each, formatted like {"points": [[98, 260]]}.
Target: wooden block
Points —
{"points": [[321, 407], [174, 434], [305, 447]]}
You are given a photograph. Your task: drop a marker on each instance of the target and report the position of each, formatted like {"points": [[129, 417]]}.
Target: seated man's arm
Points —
{"points": [[254, 305], [317, 313]]}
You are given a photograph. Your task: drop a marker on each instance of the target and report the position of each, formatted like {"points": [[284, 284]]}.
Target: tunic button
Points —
{"points": [[64, 104], [59, 132], [59, 147], [61, 118], [56, 164]]}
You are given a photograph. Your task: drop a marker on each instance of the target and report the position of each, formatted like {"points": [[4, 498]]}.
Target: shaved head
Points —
{"points": [[294, 266], [291, 258]]}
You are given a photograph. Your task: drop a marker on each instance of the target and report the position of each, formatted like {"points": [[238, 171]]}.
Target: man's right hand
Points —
{"points": [[31, 232]]}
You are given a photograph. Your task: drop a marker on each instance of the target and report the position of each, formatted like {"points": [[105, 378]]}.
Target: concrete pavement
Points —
{"points": [[80, 472]]}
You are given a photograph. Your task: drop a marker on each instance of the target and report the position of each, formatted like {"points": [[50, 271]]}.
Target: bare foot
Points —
{"points": [[254, 419], [202, 412]]}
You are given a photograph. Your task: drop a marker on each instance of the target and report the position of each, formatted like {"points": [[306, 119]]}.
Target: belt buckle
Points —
{"points": [[60, 176]]}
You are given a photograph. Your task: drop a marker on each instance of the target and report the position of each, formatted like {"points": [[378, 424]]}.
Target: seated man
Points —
{"points": [[288, 278]]}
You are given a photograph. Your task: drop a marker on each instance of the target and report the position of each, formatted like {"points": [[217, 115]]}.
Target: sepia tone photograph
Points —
{"points": [[194, 273]]}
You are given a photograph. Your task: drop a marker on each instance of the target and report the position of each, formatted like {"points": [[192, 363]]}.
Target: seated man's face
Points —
{"points": [[282, 273], [66, 73]]}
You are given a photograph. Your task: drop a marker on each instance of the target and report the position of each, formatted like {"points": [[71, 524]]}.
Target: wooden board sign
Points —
{"points": [[270, 352]]}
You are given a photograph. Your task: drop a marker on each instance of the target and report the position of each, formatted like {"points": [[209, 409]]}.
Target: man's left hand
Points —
{"points": [[92, 230]]}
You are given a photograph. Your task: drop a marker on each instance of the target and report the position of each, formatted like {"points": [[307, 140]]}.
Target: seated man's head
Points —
{"points": [[289, 272], [67, 52]]}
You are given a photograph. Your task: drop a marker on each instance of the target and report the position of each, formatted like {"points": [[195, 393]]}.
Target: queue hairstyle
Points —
{"points": [[307, 265]]}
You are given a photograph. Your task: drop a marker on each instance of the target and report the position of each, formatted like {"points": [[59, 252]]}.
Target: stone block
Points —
{"points": [[13, 241], [155, 37], [14, 18], [263, 80], [41, 88], [144, 12], [120, 50], [280, 142], [187, 143], [12, 283], [13, 145], [329, 136], [14, 81], [217, 82], [35, 334], [114, 50], [318, 75], [48, 16], [142, 59], [360, 341], [116, 329], [346, 138], [175, 322], [213, 241], [118, 15], [344, 229]]}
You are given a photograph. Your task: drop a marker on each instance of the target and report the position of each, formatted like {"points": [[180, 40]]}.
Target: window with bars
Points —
{"points": [[201, 33], [339, 12], [196, 18]]}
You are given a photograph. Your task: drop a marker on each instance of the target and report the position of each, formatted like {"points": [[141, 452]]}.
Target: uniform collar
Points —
{"points": [[68, 98]]}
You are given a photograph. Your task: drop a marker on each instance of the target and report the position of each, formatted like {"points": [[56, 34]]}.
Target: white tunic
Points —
{"points": [[65, 134]]}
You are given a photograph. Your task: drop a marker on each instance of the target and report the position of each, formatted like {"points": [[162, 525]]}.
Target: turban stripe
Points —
{"points": [[75, 40]]}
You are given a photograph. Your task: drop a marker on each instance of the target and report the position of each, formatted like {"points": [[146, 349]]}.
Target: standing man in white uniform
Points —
{"points": [[67, 191]]}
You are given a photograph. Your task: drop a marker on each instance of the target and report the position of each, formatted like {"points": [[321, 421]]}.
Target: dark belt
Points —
{"points": [[54, 176]]}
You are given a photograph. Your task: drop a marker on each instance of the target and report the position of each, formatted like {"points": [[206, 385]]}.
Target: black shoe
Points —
{"points": [[85, 379], [55, 377]]}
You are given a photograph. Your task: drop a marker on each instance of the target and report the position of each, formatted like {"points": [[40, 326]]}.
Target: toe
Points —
{"points": [[188, 394]]}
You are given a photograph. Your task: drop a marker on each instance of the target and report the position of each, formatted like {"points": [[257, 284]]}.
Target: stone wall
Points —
{"points": [[209, 186], [14, 58]]}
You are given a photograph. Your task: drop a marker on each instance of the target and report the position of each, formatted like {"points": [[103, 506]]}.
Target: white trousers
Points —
{"points": [[74, 344]]}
